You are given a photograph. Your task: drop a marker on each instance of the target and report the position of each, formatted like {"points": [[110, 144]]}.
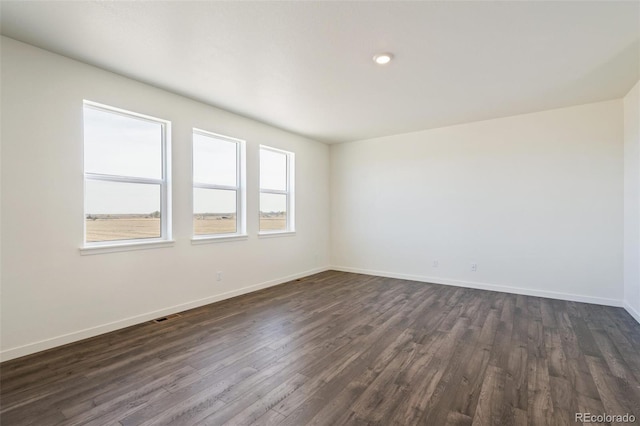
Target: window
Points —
{"points": [[276, 191], [218, 185], [126, 190]]}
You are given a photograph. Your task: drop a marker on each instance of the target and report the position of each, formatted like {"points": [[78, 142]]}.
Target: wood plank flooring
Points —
{"points": [[338, 348]]}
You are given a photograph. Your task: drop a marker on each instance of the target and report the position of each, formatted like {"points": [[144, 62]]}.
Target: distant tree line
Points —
{"points": [[152, 215]]}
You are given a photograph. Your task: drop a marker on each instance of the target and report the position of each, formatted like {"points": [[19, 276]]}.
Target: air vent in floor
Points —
{"points": [[167, 318]]}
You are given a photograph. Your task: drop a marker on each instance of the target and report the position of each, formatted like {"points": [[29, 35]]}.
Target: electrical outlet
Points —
{"points": [[474, 267], [219, 276], [436, 263]]}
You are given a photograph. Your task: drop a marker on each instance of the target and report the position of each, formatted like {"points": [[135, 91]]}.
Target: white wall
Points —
{"points": [[50, 293], [535, 200], [632, 201]]}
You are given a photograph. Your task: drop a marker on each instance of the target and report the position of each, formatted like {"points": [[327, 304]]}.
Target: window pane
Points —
{"points": [[214, 211], [115, 144], [214, 160], [273, 212], [273, 170], [121, 211]]}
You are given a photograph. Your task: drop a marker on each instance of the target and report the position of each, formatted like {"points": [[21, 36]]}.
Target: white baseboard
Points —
{"points": [[635, 314], [486, 286], [116, 325]]}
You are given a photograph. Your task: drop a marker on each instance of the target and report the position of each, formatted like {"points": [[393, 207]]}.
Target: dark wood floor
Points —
{"points": [[338, 348]]}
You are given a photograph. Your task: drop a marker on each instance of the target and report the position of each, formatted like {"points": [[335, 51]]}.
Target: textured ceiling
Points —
{"points": [[306, 66]]}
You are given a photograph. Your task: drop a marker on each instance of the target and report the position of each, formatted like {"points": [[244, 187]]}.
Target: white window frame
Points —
{"points": [[240, 188], [289, 192], [164, 183]]}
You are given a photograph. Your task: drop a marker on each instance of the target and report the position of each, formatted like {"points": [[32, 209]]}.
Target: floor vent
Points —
{"points": [[167, 318]]}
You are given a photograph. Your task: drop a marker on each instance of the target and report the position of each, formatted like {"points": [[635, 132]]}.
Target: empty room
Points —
{"points": [[319, 213]]}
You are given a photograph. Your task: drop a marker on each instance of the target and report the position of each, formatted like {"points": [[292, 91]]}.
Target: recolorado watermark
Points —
{"points": [[605, 418]]}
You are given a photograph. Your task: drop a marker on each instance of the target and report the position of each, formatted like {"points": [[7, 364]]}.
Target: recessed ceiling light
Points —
{"points": [[382, 58]]}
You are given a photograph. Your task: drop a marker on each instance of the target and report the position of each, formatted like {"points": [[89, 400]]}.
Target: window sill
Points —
{"points": [[114, 248], [276, 234], [218, 239]]}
